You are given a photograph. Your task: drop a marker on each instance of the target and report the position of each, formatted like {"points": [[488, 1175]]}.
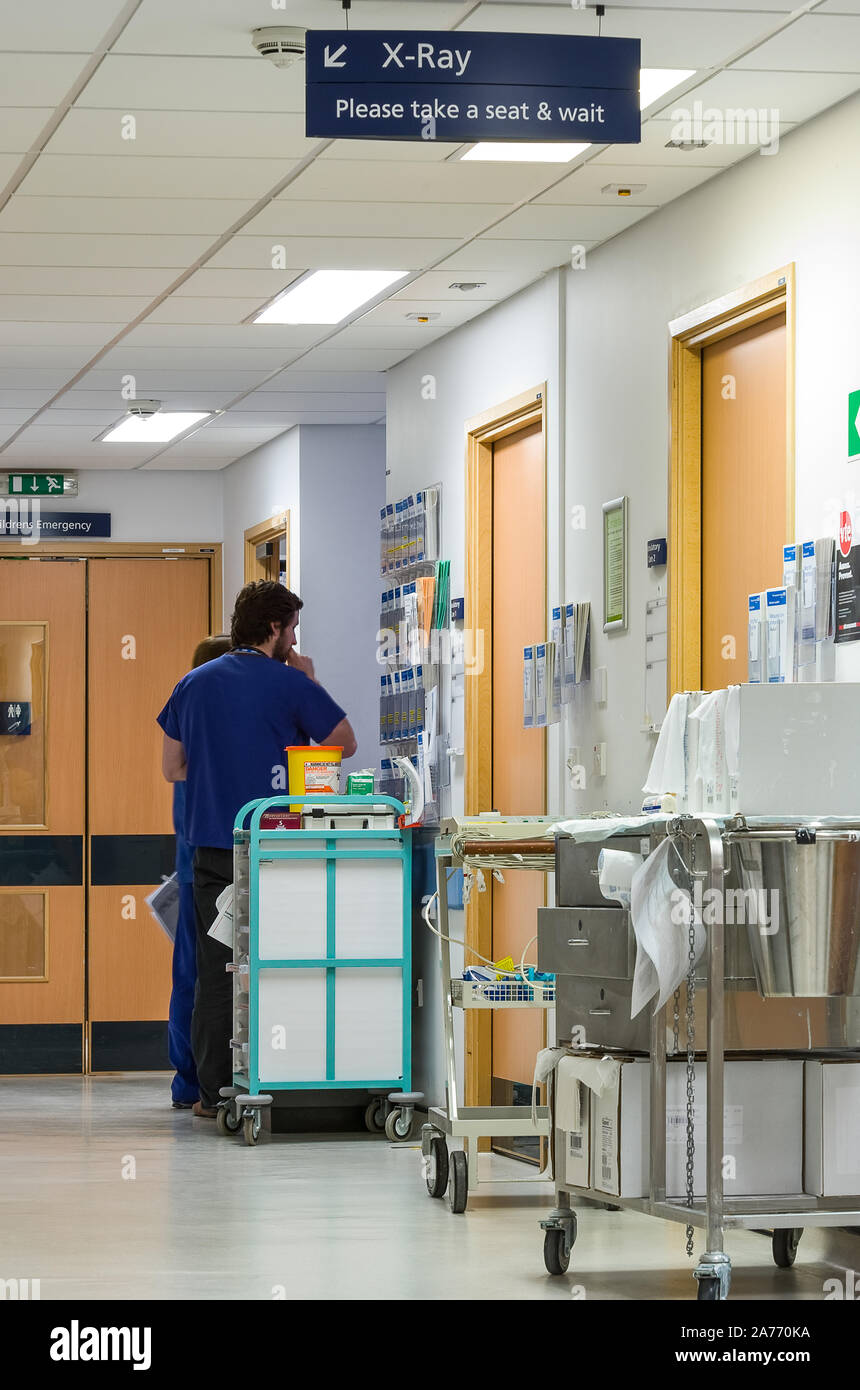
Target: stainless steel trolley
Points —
{"points": [[816, 954], [457, 1172]]}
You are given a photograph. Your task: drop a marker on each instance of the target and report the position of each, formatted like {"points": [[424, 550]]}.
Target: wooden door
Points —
{"points": [[42, 691], [146, 616], [743, 488], [519, 755]]}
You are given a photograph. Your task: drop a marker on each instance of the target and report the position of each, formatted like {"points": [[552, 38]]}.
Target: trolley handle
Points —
{"points": [[257, 808]]}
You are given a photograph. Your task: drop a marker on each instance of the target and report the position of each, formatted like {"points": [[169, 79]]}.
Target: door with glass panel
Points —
{"points": [[42, 758]]}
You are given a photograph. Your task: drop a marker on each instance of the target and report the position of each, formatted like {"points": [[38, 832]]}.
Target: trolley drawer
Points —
{"points": [[592, 941], [576, 867], [600, 1012]]}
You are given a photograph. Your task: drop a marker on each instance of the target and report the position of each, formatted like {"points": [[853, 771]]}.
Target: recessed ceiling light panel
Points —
{"points": [[524, 152], [157, 428], [327, 296]]}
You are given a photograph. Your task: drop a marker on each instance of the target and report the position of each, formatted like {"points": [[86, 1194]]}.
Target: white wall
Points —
{"points": [[150, 505], [257, 486], [801, 204], [342, 471], [504, 352]]}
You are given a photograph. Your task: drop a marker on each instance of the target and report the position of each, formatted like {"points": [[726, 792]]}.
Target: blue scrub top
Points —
{"points": [[234, 717]]}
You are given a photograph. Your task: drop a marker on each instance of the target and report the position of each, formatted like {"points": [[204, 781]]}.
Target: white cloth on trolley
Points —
{"points": [[599, 1074]]}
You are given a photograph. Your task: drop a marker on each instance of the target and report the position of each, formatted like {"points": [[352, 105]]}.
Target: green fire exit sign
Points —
{"points": [[36, 484], [853, 424]]}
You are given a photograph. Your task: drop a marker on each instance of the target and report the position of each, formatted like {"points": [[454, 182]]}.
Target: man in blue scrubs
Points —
{"points": [[225, 727], [185, 1088]]}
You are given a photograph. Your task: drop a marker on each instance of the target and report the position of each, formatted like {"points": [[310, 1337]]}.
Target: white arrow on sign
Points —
{"points": [[331, 59]]}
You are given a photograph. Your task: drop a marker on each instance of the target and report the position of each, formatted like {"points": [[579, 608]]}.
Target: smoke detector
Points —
{"points": [[283, 46], [144, 409]]}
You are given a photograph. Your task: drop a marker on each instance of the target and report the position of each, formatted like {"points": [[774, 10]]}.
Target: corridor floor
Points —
{"points": [[106, 1192]]}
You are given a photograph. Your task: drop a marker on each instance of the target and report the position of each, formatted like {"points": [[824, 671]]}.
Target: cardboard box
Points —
{"points": [[831, 1159], [573, 1135], [620, 1134], [763, 1130]]}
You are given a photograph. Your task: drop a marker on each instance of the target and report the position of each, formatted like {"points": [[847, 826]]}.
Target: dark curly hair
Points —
{"points": [[258, 605]]}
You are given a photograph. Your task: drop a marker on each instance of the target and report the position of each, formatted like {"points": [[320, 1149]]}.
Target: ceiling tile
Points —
{"points": [[22, 397], [552, 222], [202, 311], [207, 216], [436, 284], [295, 217], [193, 84], [268, 406], [661, 184], [164, 361], [373, 181], [450, 311], [163, 378], [300, 379], [82, 280], [37, 79], [48, 333], [69, 308], [671, 38], [76, 249], [407, 151], [343, 360], [258, 285], [265, 338], [652, 150], [342, 252], [795, 96], [57, 26], [186, 134], [19, 127], [224, 26], [138, 177], [526, 257], [815, 43]]}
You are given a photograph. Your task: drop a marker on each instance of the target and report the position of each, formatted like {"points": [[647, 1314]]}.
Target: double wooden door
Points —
{"points": [[90, 649]]}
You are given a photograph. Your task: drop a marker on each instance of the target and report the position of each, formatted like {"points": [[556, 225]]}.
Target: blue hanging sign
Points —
{"points": [[444, 85]]}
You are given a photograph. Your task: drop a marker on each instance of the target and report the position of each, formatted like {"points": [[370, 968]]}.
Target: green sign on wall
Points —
{"points": [[36, 484]]}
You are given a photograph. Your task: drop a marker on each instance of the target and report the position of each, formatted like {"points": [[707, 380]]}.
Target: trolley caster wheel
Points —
{"points": [[374, 1116], [709, 1290], [251, 1126], [226, 1122], [436, 1176], [458, 1181], [555, 1256], [398, 1126], [785, 1243]]}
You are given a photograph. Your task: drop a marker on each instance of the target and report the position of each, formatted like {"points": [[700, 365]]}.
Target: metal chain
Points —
{"points": [[691, 1039], [676, 1018]]}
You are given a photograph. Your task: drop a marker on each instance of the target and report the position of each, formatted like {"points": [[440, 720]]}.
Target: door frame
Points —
{"points": [[269, 530], [482, 432], [753, 303]]}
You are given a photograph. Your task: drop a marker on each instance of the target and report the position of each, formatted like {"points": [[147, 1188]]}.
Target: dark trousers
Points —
{"points": [[185, 1088], [212, 1020]]}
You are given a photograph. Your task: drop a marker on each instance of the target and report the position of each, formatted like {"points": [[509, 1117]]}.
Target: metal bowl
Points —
{"points": [[802, 912]]}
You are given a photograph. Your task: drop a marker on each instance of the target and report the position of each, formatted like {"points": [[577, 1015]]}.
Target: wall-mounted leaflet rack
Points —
{"points": [[413, 617]]}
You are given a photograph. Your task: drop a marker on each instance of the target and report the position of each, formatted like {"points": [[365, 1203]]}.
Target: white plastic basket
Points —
{"points": [[502, 994]]}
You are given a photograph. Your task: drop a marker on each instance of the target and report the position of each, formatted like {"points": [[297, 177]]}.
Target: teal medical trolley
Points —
{"points": [[322, 958]]}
